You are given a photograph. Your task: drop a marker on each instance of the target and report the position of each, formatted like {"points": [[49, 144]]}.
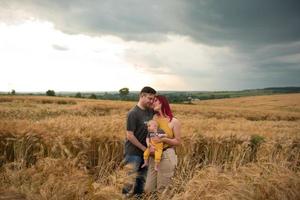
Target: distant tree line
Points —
{"points": [[174, 97]]}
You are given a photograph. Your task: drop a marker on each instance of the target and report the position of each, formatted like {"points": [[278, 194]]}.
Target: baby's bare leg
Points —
{"points": [[146, 163], [156, 167]]}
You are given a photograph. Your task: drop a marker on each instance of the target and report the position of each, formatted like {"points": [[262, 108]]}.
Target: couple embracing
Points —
{"points": [[152, 112]]}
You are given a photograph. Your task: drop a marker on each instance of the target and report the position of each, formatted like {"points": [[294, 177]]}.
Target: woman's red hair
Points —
{"points": [[165, 106]]}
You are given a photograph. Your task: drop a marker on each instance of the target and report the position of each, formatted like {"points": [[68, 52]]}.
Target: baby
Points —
{"points": [[153, 134]]}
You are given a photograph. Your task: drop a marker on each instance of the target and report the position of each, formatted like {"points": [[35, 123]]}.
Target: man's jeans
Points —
{"points": [[137, 185]]}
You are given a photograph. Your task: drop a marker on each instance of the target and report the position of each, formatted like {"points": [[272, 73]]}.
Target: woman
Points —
{"points": [[159, 180]]}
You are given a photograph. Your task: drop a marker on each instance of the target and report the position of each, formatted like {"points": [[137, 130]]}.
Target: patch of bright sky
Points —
{"points": [[37, 57]]}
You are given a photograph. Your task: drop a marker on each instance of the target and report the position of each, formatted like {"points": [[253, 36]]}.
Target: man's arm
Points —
{"points": [[130, 136]]}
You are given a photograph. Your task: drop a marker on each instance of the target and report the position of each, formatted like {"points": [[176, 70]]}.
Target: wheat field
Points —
{"points": [[68, 148]]}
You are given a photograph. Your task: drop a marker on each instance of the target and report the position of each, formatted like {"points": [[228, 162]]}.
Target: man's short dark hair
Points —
{"points": [[148, 90]]}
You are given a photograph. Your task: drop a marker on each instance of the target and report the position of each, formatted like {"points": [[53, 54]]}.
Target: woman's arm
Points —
{"points": [[177, 134]]}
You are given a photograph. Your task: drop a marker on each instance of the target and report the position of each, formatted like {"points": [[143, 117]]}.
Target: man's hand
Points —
{"points": [[151, 149], [130, 136], [144, 148]]}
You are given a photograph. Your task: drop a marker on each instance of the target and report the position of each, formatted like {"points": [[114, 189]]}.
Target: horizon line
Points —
{"points": [[103, 91]]}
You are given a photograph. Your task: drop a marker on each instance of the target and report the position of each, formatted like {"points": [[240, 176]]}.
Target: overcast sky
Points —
{"points": [[104, 45]]}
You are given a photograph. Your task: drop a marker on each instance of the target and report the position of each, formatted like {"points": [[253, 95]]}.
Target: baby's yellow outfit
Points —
{"points": [[157, 145]]}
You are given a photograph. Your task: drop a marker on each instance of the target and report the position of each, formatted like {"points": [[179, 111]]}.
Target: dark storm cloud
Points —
{"points": [[237, 22], [252, 22]]}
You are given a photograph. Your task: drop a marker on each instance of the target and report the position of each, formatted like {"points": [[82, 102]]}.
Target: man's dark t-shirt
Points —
{"points": [[137, 123]]}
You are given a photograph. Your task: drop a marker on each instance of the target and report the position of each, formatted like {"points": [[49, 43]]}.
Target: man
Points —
{"points": [[136, 133]]}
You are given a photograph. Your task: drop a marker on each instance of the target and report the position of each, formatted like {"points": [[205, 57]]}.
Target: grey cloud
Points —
{"points": [[132, 20], [276, 50], [227, 71], [59, 47]]}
